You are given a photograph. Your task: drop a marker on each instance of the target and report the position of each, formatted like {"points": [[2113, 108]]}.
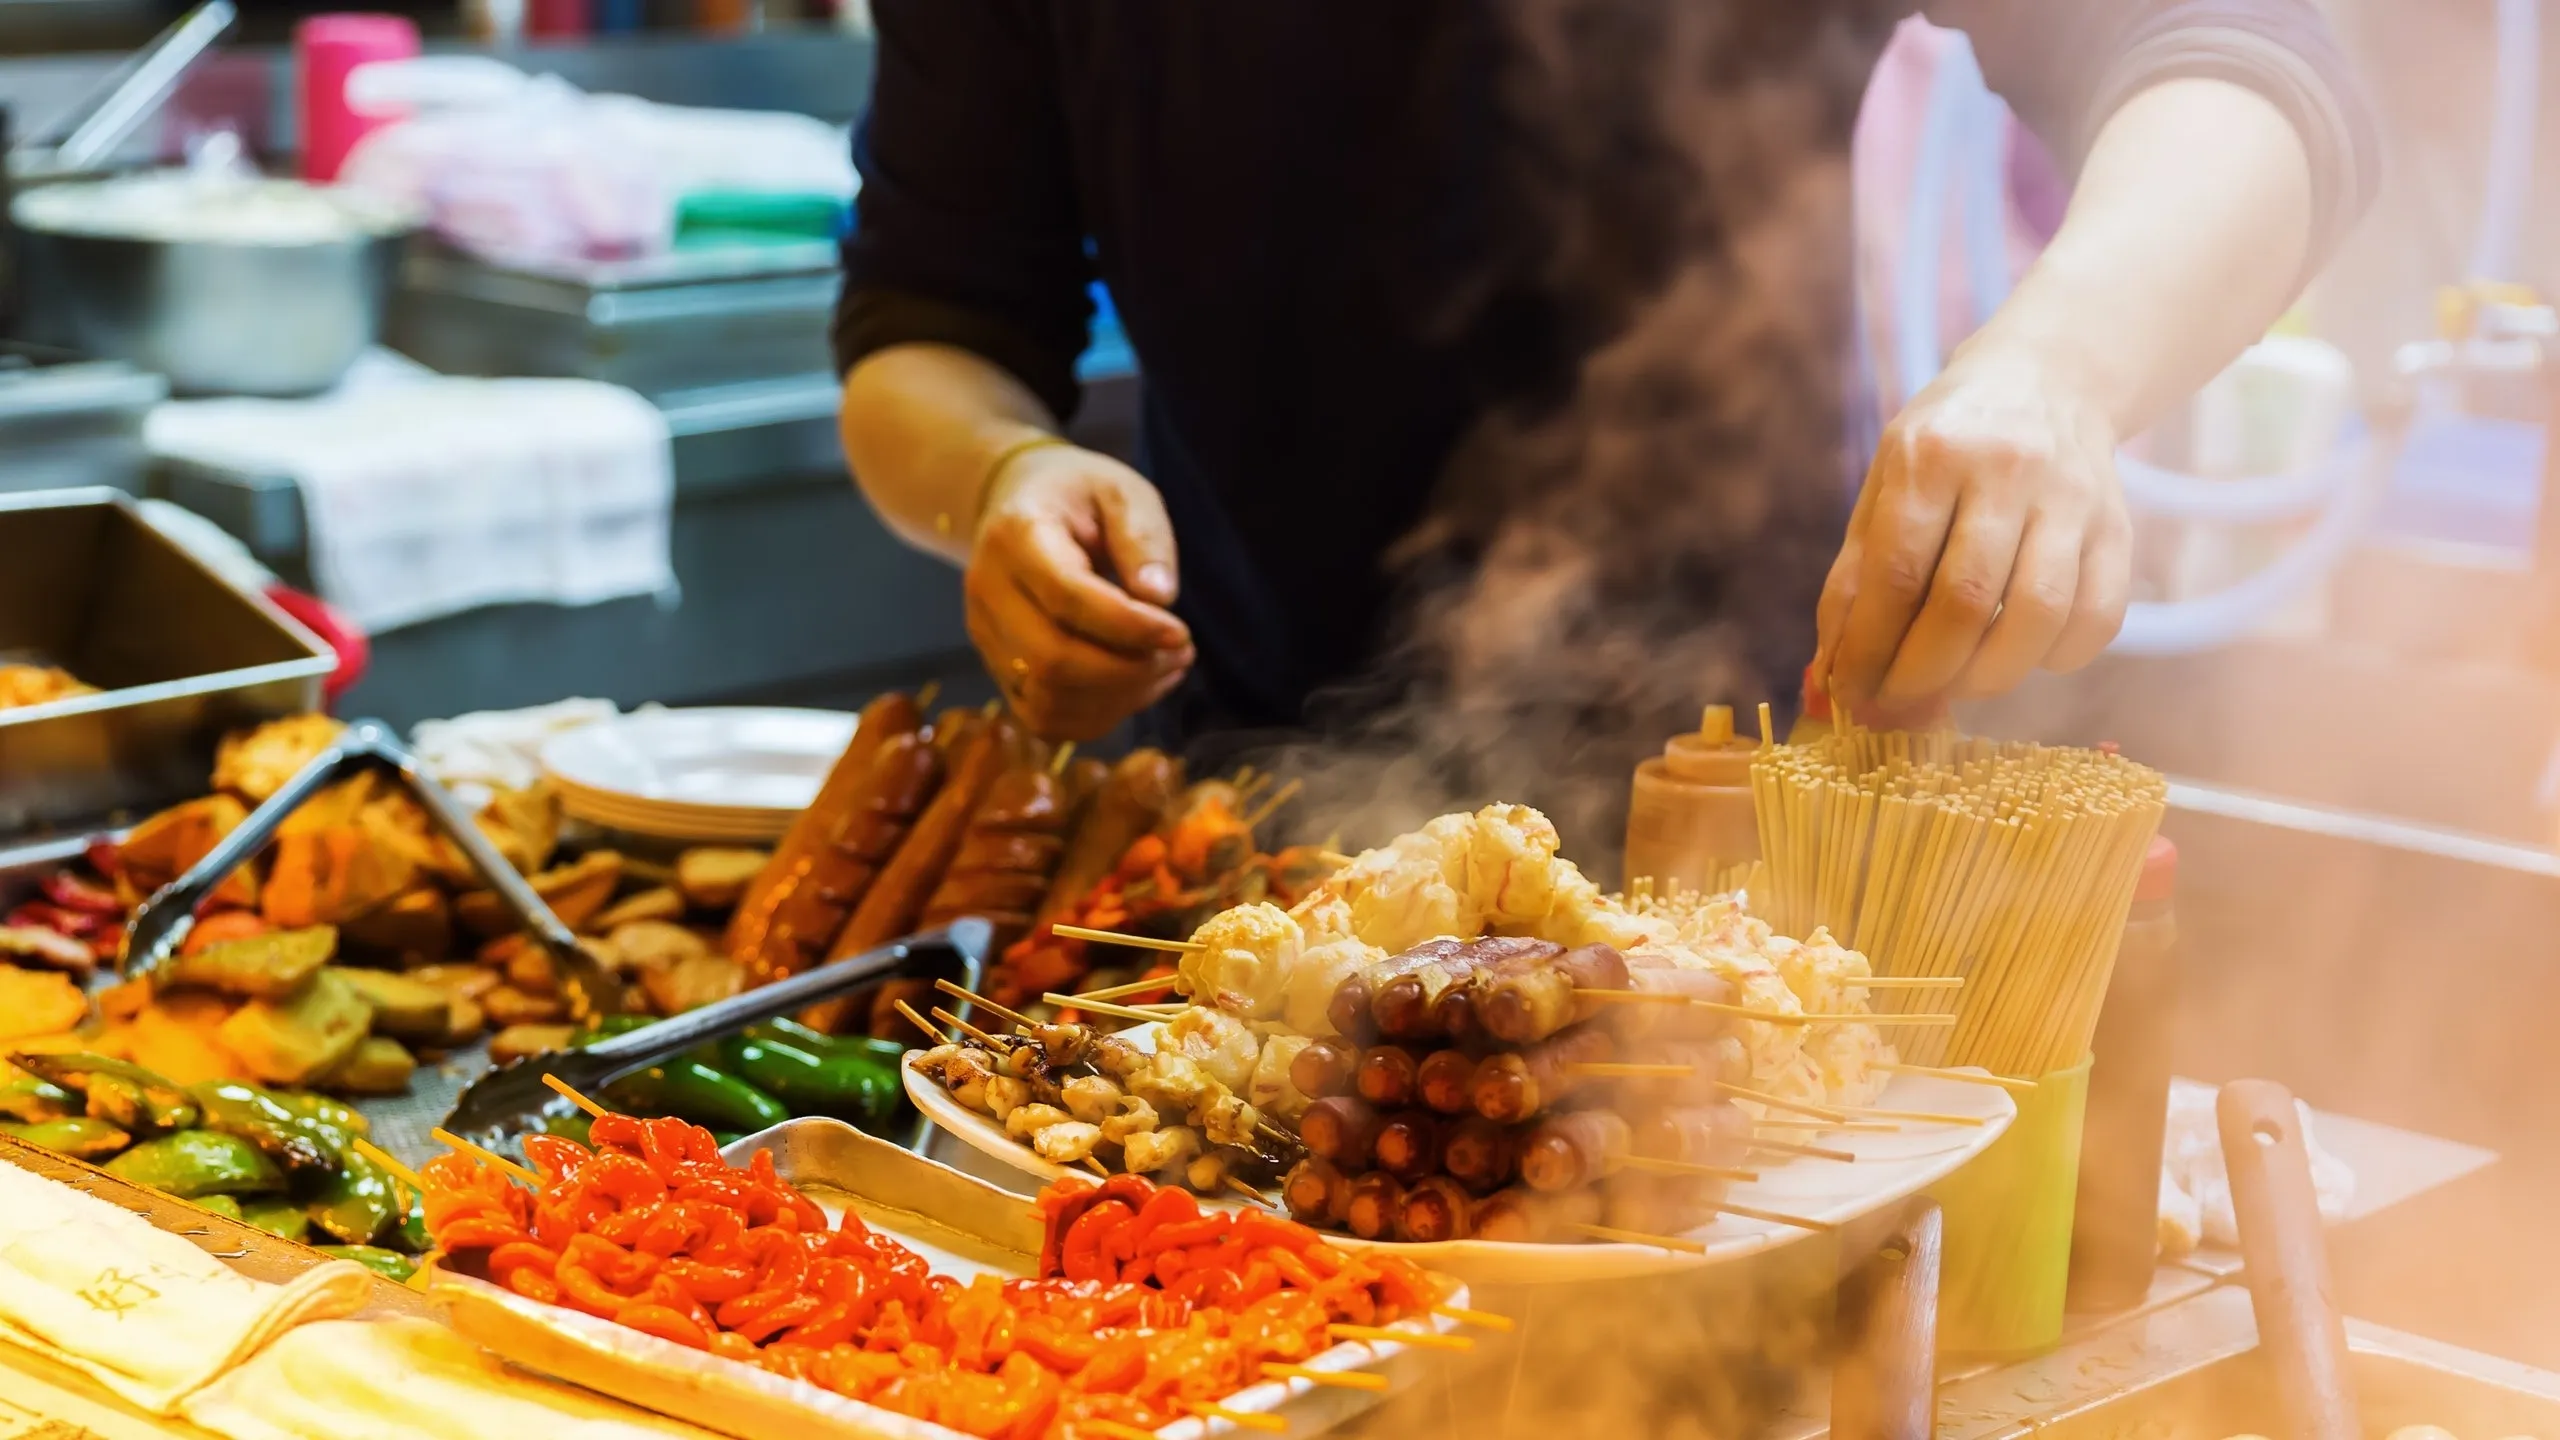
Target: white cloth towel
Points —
{"points": [[406, 1380], [149, 1315], [500, 748], [2195, 1187], [425, 495]]}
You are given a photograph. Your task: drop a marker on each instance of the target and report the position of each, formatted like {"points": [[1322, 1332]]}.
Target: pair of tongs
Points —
{"points": [[517, 1096], [161, 925]]}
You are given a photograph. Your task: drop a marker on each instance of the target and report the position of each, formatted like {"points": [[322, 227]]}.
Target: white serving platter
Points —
{"points": [[1889, 1167]]}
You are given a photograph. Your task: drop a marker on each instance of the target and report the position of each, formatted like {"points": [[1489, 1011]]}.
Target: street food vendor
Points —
{"points": [[1409, 285]]}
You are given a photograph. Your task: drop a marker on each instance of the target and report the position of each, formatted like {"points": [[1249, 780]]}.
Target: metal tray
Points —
{"points": [[963, 1226], [2192, 1372], [179, 655]]}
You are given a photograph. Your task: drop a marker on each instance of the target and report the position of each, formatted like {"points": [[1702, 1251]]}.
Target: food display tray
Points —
{"points": [[178, 654], [1889, 1167], [961, 1225]]}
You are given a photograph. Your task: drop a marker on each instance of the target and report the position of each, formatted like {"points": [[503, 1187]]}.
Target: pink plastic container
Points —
{"points": [[326, 49]]}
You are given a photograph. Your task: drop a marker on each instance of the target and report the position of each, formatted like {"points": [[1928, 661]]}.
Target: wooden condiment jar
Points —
{"points": [[1692, 815]]}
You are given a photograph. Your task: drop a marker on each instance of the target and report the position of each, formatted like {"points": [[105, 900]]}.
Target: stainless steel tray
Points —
{"points": [[179, 656], [963, 1226], [2192, 1372]]}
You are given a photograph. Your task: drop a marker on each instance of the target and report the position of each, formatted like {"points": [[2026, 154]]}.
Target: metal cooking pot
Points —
{"points": [[217, 305]]}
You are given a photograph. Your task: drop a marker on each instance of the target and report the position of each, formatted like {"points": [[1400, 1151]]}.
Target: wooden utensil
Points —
{"points": [[1885, 1385], [2300, 1331]]}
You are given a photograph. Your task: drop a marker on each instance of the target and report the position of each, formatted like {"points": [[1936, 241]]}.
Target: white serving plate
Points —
{"points": [[727, 763], [1889, 1167], [962, 1225]]}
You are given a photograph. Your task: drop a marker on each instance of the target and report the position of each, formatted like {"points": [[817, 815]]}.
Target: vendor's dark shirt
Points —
{"points": [[1373, 256]]}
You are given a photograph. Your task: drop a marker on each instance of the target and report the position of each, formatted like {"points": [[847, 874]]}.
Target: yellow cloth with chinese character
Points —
{"points": [[148, 1314], [406, 1380]]}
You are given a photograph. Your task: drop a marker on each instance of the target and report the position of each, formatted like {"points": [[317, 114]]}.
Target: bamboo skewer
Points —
{"points": [[1659, 1166], [1966, 1077], [1241, 1419], [1125, 1012], [1780, 1102], [1623, 1070], [1637, 1237], [1267, 808], [1481, 1319], [1777, 1217], [1790, 1147], [1136, 942], [570, 1093], [1338, 1379], [932, 1031], [1398, 1335], [1902, 982], [1134, 987], [965, 1028], [1781, 1017], [956, 992], [485, 1156], [394, 1168]]}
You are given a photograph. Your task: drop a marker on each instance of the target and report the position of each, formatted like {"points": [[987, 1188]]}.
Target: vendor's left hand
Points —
{"points": [[1990, 539]]}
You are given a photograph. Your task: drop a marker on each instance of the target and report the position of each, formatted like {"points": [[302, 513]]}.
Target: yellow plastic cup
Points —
{"points": [[2008, 1227]]}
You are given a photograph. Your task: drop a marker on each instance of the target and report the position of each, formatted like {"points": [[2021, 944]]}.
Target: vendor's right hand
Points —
{"points": [[1068, 585]]}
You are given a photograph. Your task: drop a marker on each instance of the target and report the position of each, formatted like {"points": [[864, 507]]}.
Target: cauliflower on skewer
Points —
{"points": [[1244, 961]]}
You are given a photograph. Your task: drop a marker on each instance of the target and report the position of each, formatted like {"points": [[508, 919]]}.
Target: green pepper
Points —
{"points": [[119, 1092], [302, 1146], [819, 1042], [413, 1229], [82, 1137], [31, 1098], [572, 1126], [696, 1092], [356, 1206], [323, 1109], [684, 1087], [191, 1163], [844, 1084], [278, 1216], [726, 1138], [222, 1205], [387, 1263]]}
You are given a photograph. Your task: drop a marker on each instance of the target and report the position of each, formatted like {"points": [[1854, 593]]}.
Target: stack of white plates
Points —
{"points": [[710, 774]]}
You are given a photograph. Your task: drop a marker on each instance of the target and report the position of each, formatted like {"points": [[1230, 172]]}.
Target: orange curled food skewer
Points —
{"points": [[1144, 1311]]}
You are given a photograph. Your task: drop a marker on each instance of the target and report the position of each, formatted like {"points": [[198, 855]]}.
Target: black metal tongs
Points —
{"points": [[512, 1098]]}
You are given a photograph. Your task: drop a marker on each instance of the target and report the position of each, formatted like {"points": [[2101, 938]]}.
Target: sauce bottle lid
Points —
{"points": [[2159, 871]]}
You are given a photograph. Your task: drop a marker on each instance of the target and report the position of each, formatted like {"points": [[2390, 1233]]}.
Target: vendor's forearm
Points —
{"points": [[2185, 239], [923, 424]]}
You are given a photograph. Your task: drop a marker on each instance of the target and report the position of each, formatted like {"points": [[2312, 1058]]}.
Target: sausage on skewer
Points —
{"points": [[1001, 868], [1446, 1081], [1408, 1145], [1567, 1152], [1515, 1086], [1479, 1154], [1342, 1129], [1521, 1215], [1317, 1192], [834, 849], [1376, 1204], [1527, 1003], [1324, 1068], [1387, 1075], [1435, 1209]]}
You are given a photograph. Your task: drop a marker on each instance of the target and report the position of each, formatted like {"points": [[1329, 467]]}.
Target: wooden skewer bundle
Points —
{"points": [[2007, 865]]}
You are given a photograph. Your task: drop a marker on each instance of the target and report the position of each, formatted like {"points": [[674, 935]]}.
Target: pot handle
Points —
{"points": [[1885, 1383]]}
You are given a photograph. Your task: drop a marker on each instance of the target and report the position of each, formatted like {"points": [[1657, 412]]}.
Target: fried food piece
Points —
{"points": [[168, 844], [712, 878], [262, 967], [658, 902], [255, 763], [522, 1042], [38, 1002], [39, 685]]}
